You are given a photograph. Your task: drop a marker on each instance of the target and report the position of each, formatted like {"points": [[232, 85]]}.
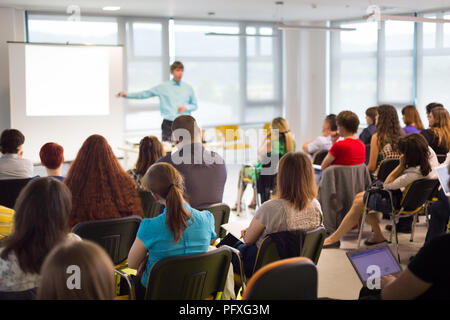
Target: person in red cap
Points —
{"points": [[52, 158]]}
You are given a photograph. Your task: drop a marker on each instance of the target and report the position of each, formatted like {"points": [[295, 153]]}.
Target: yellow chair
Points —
{"points": [[6, 221], [230, 136]]}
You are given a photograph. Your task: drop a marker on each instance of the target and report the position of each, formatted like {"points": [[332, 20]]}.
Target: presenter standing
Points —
{"points": [[175, 97]]}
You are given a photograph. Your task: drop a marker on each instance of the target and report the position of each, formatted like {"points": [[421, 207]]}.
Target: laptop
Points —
{"points": [[376, 259], [442, 173]]}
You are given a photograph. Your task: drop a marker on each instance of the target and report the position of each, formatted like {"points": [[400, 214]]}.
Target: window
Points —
{"points": [[59, 29]]}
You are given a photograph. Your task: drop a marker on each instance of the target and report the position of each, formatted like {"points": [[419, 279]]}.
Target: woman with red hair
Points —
{"points": [[100, 188]]}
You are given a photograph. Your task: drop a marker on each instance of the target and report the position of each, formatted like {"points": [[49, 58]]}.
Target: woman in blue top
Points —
{"points": [[179, 231], [412, 120]]}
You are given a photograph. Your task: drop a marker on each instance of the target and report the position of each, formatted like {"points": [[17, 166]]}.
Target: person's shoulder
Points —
{"points": [[273, 204], [167, 158]]}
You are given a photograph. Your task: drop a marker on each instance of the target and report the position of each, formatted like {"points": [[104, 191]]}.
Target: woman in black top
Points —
{"points": [[438, 135]]}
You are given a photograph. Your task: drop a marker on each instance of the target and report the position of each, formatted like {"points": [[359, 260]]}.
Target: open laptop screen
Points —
{"points": [[379, 256], [442, 173]]}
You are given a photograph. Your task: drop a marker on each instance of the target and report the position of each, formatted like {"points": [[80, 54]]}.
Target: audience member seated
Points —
{"points": [[273, 147], [439, 212], [294, 208], [367, 133], [150, 150], [350, 151], [438, 135], [94, 268], [12, 165], [430, 107], [411, 119], [204, 171], [322, 142], [426, 276], [101, 189], [180, 230], [384, 143], [52, 158], [416, 162], [40, 223]]}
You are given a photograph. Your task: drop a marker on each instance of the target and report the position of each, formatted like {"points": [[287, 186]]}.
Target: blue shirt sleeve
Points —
{"points": [[210, 219], [153, 92], [145, 232], [192, 105]]}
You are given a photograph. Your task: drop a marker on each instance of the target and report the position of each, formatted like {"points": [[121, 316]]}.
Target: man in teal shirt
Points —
{"points": [[175, 96]]}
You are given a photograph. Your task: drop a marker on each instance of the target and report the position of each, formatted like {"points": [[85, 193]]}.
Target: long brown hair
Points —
{"points": [[441, 126], [295, 179], [282, 126], [40, 222], [388, 127], [96, 272], [150, 150], [412, 117], [164, 180], [101, 189]]}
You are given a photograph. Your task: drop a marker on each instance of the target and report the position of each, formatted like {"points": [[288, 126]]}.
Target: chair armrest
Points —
{"points": [[129, 281], [241, 265]]}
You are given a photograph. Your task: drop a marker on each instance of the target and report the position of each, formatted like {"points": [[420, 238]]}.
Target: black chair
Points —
{"points": [[414, 199], [386, 167], [194, 277], [441, 157], [221, 213], [318, 156], [19, 295], [150, 206], [10, 190]]}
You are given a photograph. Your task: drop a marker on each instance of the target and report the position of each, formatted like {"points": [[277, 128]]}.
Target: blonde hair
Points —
{"points": [[96, 272], [295, 179], [441, 126], [164, 180], [282, 126]]}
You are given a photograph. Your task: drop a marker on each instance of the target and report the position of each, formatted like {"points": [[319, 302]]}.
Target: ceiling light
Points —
{"points": [[383, 17], [111, 8]]}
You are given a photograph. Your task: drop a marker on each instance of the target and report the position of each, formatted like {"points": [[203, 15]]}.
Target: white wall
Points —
{"points": [[305, 79], [12, 28]]}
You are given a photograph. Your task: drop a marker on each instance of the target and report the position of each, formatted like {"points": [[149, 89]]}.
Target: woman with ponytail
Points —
{"points": [[180, 230], [150, 150]]}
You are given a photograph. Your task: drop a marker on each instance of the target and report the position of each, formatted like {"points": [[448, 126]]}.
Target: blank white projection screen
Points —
{"points": [[63, 81]]}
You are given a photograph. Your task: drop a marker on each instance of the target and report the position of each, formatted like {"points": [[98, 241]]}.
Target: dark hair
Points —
{"points": [[349, 120], [52, 155], [164, 180], [414, 147], [433, 105], [295, 179], [372, 113], [11, 140], [176, 65], [388, 127], [331, 119], [412, 116], [150, 150], [187, 123], [40, 222]]}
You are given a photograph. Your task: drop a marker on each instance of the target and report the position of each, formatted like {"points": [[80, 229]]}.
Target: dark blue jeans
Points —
{"points": [[440, 214], [248, 253]]}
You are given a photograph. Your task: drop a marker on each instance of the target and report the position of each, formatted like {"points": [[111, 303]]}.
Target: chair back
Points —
{"points": [[386, 167], [221, 213], [116, 236], [150, 206], [19, 295], [194, 277], [228, 133], [441, 158], [318, 156], [288, 279], [418, 193], [312, 246], [267, 253], [10, 190]]}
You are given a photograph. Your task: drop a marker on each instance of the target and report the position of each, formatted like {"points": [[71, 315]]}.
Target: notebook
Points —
{"points": [[442, 173], [366, 261]]}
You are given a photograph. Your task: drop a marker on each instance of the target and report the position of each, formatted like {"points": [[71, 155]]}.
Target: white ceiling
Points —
{"points": [[257, 10]]}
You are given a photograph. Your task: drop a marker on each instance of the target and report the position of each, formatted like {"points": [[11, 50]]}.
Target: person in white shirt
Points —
{"points": [[416, 162], [12, 163], [324, 141]]}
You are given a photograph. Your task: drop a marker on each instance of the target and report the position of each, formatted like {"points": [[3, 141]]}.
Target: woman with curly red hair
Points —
{"points": [[100, 188]]}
